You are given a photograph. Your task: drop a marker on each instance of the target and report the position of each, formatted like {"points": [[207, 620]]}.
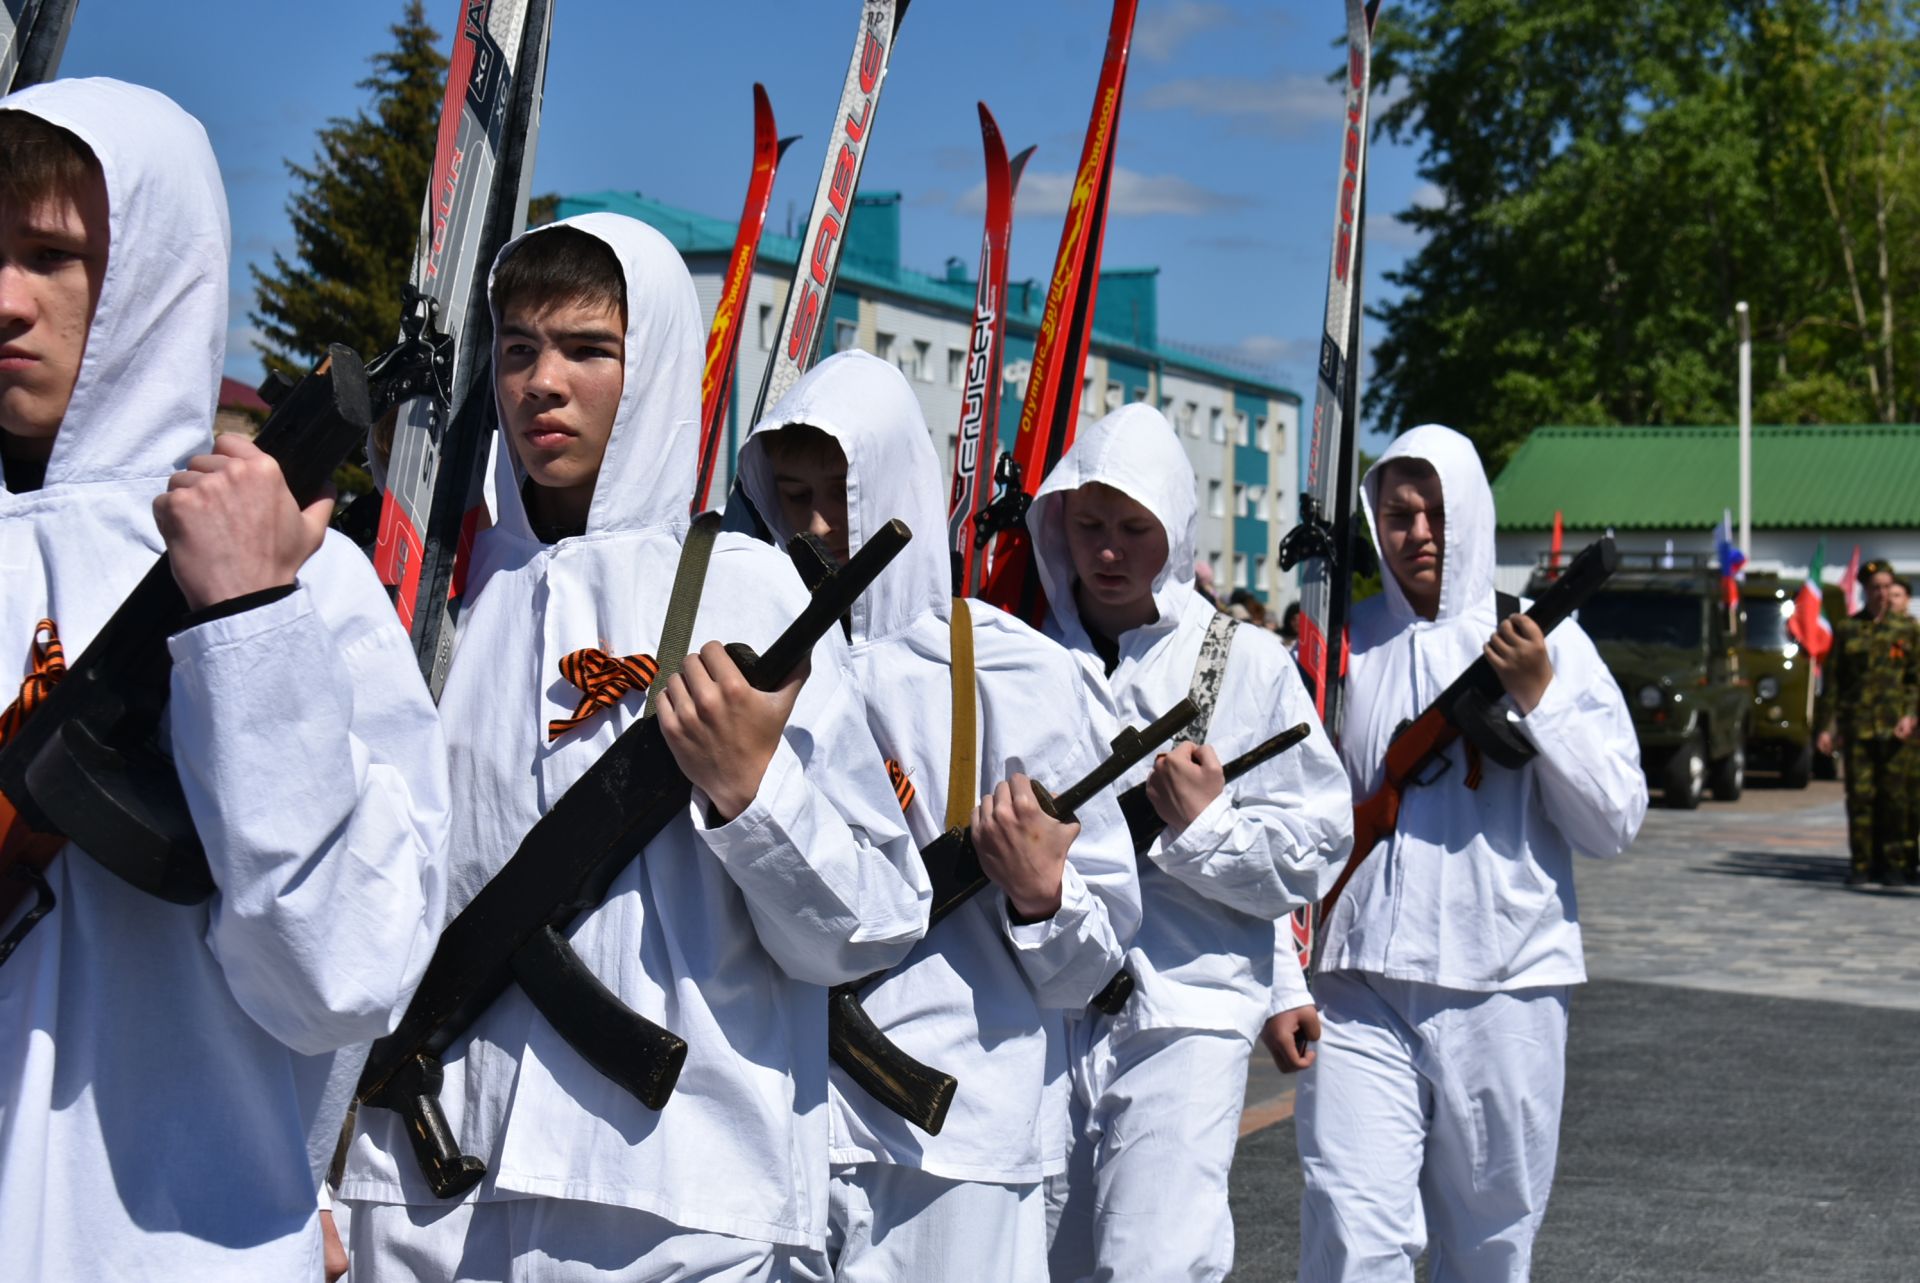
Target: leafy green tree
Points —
{"points": [[356, 212], [1617, 175]]}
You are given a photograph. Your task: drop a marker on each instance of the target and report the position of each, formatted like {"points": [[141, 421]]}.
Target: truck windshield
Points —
{"points": [[1767, 624], [1663, 619]]}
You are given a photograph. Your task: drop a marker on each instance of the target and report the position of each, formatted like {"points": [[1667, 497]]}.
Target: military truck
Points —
{"points": [[1780, 674], [1672, 641]]}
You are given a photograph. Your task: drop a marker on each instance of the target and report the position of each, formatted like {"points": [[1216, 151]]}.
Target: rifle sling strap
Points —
{"points": [[1208, 672], [683, 603], [963, 771]]}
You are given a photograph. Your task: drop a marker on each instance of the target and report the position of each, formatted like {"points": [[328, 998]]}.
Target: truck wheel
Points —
{"points": [[1799, 769], [1685, 779], [1730, 775]]}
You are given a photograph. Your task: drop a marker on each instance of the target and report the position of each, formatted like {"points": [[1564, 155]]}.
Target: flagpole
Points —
{"points": [[1746, 430]]}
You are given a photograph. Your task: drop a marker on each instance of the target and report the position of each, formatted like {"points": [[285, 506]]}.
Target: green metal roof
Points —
{"points": [[695, 234], [1804, 477]]}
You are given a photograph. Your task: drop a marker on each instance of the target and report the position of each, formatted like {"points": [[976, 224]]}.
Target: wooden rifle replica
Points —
{"points": [[917, 1093], [1470, 708], [89, 766], [513, 931], [1144, 824]]}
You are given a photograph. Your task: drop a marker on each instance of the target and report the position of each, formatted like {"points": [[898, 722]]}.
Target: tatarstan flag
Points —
{"points": [[1809, 625]]}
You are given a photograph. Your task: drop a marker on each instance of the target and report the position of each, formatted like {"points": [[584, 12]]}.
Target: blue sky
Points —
{"points": [[1227, 147]]}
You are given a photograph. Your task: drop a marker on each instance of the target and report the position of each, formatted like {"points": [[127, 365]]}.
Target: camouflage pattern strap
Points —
{"points": [[1208, 673]]}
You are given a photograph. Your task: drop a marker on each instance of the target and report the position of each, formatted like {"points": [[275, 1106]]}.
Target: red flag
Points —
{"points": [[1557, 536], [1850, 585], [1809, 625]]}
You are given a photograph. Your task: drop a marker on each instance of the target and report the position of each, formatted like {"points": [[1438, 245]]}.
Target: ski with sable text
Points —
{"points": [[723, 336], [1322, 544], [432, 471], [979, 436], [1050, 412]]}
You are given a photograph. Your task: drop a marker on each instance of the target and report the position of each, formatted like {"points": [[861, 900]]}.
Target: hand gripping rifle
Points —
{"points": [[89, 764], [1469, 708], [919, 1094], [1144, 824], [513, 931]]}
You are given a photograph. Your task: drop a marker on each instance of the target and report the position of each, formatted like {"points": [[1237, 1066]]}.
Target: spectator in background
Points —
{"points": [[1203, 582], [1290, 624], [1868, 708]]}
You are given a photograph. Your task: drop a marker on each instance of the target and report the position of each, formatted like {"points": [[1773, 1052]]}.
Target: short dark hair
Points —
{"points": [[1903, 585], [559, 267], [800, 441], [39, 160]]}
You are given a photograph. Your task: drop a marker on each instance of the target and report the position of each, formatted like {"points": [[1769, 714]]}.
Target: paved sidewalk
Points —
{"points": [[1720, 1127]]}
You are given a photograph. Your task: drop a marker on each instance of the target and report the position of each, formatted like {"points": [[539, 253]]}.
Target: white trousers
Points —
{"points": [[890, 1223], [1430, 1120], [545, 1240], [1156, 1114]]}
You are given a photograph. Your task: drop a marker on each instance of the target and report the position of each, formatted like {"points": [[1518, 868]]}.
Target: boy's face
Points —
{"points": [[810, 475], [1879, 593], [1897, 599], [1413, 529], [1117, 546], [53, 259], [560, 371]]}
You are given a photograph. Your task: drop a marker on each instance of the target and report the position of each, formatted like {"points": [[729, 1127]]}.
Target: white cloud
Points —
{"points": [[1161, 32], [1429, 196], [1134, 194], [1388, 231], [1263, 350], [1283, 105]]}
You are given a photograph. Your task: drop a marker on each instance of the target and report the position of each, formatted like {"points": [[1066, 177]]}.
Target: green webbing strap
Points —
{"points": [[689, 577], [962, 771]]}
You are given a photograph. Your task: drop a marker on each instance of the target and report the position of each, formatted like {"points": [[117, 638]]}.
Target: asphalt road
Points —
{"points": [[1743, 1076]]}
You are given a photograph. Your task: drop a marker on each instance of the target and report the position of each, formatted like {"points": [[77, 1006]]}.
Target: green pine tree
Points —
{"points": [[356, 212]]}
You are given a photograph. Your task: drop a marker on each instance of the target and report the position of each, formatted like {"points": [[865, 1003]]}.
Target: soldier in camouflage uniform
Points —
{"points": [[1870, 702], [1907, 761]]}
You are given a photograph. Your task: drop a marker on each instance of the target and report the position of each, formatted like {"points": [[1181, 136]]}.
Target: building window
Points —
{"points": [[956, 368], [1259, 571], [1213, 499], [1257, 502], [766, 327], [1116, 397], [1242, 571], [1279, 436], [1240, 431], [1089, 397], [1217, 425], [846, 336], [1166, 406], [1239, 499], [1213, 564], [1143, 394], [1189, 423], [883, 346], [914, 361], [953, 444], [1260, 433]]}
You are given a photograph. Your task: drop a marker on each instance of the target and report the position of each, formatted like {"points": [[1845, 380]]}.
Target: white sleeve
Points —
{"points": [[313, 765], [830, 875], [1588, 772], [1289, 982], [1072, 955], [1273, 840]]}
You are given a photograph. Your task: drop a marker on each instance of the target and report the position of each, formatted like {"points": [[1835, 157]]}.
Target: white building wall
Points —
{"points": [[1191, 406]]}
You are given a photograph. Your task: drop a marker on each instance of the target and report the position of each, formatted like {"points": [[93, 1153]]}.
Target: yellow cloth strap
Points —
{"points": [[963, 772]]}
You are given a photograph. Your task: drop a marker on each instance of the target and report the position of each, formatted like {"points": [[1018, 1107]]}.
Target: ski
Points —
{"points": [[433, 473], [723, 336], [1051, 410], [33, 35], [1322, 544], [979, 438], [819, 260]]}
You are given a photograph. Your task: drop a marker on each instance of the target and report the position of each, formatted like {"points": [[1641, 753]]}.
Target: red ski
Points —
{"points": [[979, 437], [723, 338], [1051, 410]]}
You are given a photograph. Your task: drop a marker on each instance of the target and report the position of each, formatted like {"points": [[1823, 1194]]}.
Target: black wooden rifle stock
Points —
{"points": [[1470, 708], [1145, 824], [512, 931], [88, 765], [916, 1092]]}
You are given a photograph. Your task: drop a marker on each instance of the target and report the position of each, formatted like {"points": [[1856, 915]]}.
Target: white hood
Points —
{"points": [[1135, 451], [646, 478], [150, 381], [861, 401], [1467, 551]]}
